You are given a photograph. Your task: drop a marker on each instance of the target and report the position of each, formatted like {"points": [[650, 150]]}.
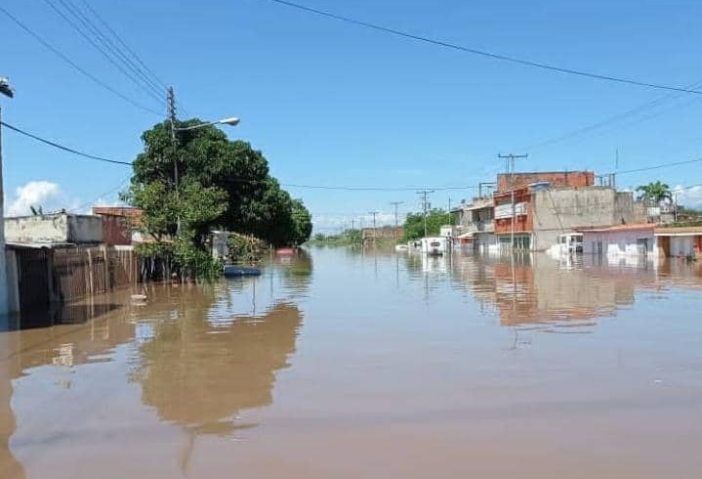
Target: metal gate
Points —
{"points": [[33, 278]]}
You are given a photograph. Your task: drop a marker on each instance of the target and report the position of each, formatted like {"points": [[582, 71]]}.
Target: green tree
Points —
{"points": [[414, 224], [655, 192], [222, 184]]}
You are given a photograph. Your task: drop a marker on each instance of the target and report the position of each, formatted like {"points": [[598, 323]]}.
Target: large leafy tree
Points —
{"points": [[222, 183], [414, 224], [655, 192]]}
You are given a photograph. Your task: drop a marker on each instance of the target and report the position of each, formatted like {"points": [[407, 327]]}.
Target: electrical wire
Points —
{"points": [[474, 51], [100, 45], [75, 66], [321, 187], [123, 44], [64, 148], [658, 167], [115, 49], [80, 208]]}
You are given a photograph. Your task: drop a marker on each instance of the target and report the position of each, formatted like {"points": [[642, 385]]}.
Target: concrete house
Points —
{"points": [[475, 228], [679, 242], [548, 205], [56, 228], [633, 240]]}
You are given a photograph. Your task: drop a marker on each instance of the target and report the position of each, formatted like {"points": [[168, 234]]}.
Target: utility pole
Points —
{"points": [[170, 103], [396, 204], [449, 212], [353, 224], [425, 206], [375, 230], [510, 170], [6, 90]]}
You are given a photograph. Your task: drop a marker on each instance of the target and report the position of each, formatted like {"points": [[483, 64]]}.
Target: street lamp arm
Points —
{"points": [[232, 121]]}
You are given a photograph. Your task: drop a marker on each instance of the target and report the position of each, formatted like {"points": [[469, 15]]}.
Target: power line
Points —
{"points": [[92, 202], [61, 147], [658, 167], [474, 51], [318, 187], [75, 66], [95, 39], [375, 188], [124, 44], [616, 118]]}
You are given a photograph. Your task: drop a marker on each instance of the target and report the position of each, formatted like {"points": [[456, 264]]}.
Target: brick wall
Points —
{"points": [[558, 179]]}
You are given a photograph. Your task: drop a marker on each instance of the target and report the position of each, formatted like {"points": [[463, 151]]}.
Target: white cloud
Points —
{"points": [[689, 197], [46, 194]]}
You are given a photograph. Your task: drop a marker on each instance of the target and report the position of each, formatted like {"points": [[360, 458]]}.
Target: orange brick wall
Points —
{"points": [[573, 179]]}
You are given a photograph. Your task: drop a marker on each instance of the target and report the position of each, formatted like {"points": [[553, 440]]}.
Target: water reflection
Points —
{"points": [[566, 294], [200, 355], [201, 375]]}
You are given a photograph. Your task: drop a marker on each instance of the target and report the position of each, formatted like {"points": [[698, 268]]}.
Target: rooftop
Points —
{"points": [[617, 228]]}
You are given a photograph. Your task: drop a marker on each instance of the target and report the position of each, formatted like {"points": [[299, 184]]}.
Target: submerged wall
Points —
{"points": [[559, 211]]}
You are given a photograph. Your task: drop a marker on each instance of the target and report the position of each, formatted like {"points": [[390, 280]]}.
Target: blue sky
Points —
{"points": [[335, 104]]}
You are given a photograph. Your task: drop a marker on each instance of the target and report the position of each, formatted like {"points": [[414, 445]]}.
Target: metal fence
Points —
{"points": [[69, 274]]}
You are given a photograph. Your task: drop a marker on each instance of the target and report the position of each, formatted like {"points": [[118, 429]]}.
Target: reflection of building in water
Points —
{"points": [[536, 289], [67, 344], [10, 467], [201, 374]]}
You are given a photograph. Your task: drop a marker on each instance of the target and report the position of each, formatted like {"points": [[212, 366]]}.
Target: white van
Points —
{"points": [[435, 246]]}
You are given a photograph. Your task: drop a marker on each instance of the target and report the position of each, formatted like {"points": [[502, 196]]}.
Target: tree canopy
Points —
{"points": [[222, 184], [655, 192], [414, 224]]}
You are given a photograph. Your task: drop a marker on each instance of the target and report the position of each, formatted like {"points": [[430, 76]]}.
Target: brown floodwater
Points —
{"points": [[350, 364]]}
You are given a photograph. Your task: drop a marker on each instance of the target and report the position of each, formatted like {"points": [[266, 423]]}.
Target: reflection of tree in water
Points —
{"points": [[201, 375]]}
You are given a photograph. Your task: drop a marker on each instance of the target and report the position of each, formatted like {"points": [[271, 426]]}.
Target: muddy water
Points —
{"points": [[347, 364]]}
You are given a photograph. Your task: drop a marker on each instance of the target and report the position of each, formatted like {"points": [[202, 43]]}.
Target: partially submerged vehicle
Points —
{"points": [[568, 244], [435, 246]]}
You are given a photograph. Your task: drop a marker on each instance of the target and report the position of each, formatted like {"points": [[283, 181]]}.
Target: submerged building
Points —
{"points": [[547, 205]]}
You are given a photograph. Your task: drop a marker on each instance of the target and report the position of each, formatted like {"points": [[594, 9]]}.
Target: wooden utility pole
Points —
{"points": [[396, 204], [425, 206], [171, 108], [375, 230], [510, 171]]}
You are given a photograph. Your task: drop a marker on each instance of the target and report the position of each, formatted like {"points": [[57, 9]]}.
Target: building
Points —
{"points": [[679, 242], [557, 179], [634, 240], [554, 204], [121, 224], [59, 258], [56, 228], [475, 228]]}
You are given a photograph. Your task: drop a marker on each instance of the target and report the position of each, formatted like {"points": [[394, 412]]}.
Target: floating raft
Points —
{"points": [[231, 271]]}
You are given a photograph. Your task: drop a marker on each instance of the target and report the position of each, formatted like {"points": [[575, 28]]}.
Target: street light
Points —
{"points": [[5, 88], [231, 121]]}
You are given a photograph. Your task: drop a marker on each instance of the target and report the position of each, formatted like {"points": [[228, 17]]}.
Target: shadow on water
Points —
{"points": [[59, 315]]}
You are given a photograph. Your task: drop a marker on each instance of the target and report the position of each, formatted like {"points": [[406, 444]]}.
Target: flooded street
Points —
{"points": [[344, 364]]}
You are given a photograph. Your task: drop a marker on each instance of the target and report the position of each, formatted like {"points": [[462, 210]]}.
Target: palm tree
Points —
{"points": [[656, 192]]}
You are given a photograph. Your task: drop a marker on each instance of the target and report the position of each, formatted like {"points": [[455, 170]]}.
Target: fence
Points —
{"points": [[69, 274]]}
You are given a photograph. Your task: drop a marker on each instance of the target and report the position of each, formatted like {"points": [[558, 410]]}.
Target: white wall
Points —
{"points": [[619, 243], [682, 245]]}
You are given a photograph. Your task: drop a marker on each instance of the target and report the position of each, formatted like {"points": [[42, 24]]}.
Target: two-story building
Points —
{"points": [[547, 205]]}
